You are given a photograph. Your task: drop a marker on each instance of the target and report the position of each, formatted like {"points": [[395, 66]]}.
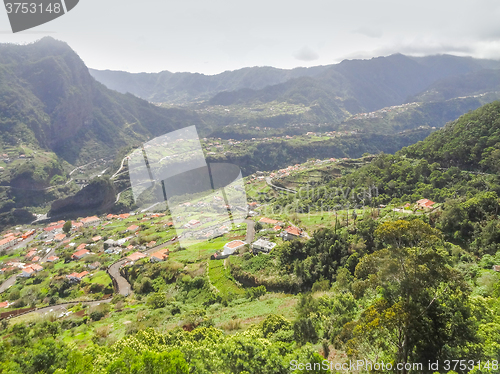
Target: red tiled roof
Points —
{"points": [[7, 240], [89, 219], [35, 267], [235, 244], [55, 227], [268, 220], [80, 253], [293, 230], [162, 254], [136, 256], [78, 275], [426, 203], [59, 237], [82, 274]]}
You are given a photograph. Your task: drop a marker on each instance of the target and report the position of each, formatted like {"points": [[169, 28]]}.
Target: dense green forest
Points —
{"points": [[470, 142]]}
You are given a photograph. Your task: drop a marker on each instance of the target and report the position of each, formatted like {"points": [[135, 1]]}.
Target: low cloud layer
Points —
{"points": [[306, 54], [199, 36]]}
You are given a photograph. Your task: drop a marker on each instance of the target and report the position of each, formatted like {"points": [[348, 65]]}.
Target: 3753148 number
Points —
{"points": [[33, 8], [470, 364]]}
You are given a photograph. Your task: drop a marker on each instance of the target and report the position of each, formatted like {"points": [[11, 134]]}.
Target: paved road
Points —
{"points": [[123, 287], [120, 169], [9, 282], [250, 230], [121, 283], [269, 181], [120, 193], [63, 307]]}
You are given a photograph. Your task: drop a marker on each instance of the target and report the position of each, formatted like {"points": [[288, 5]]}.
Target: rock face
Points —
{"points": [[99, 194]]}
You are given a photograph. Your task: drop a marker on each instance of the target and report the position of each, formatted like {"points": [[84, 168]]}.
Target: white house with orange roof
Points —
{"points": [[59, 237], [36, 267], [27, 272], [28, 233], [80, 254], [159, 256], [132, 228], [7, 242], [136, 256], [291, 233], [30, 270], [425, 204], [230, 248], [90, 221], [77, 276], [30, 254]]}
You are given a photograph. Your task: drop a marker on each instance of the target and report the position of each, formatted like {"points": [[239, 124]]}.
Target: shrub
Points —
{"points": [[255, 292], [96, 315], [157, 300]]}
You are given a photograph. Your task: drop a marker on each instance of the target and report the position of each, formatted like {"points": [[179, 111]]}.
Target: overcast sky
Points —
{"points": [[210, 36]]}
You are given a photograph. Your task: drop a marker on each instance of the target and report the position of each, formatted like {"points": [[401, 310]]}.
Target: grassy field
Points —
{"points": [[222, 279], [199, 251]]}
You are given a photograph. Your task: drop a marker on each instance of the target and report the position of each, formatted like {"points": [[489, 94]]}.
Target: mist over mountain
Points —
{"points": [[352, 85], [180, 88]]}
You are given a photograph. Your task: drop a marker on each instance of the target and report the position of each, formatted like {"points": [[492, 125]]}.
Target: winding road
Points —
{"points": [[8, 283], [120, 169], [269, 181]]}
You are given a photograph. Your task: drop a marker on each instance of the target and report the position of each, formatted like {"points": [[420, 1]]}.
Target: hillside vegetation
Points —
{"points": [[472, 142]]}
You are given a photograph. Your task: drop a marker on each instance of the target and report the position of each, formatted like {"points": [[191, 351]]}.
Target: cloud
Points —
{"points": [[367, 31], [424, 48], [306, 54]]}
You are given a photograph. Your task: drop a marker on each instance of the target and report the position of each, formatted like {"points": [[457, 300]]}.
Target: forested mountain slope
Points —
{"points": [[472, 141]]}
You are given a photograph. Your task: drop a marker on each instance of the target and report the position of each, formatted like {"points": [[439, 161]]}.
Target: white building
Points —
{"points": [[7, 243], [263, 245]]}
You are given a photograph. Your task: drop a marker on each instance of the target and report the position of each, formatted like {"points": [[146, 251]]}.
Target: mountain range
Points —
{"points": [[354, 85], [57, 114]]}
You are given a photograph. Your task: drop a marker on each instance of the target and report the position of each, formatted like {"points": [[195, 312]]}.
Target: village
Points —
{"points": [[94, 249]]}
